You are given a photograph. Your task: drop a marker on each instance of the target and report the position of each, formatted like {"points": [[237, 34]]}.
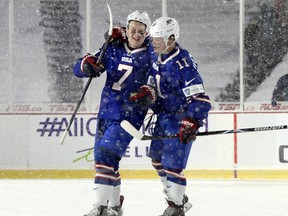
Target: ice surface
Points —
{"points": [[144, 197]]}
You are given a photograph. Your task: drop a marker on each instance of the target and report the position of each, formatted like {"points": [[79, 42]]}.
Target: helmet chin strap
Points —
{"points": [[163, 52], [167, 47]]}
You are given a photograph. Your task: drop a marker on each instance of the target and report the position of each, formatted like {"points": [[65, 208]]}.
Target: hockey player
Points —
{"points": [[126, 62], [181, 106]]}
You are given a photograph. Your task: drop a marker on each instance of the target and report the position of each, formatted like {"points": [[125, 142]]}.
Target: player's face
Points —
{"points": [[159, 44], [136, 34]]}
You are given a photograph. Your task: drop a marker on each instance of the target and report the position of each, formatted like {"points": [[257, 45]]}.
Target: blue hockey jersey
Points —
{"points": [[126, 70], [179, 86]]}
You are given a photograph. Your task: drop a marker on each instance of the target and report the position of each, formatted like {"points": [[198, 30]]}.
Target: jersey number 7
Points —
{"points": [[128, 70]]}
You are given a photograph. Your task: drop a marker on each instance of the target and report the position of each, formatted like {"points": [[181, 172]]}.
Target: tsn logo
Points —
{"points": [[228, 106]]}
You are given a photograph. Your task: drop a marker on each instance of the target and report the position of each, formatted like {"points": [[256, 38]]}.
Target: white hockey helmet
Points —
{"points": [[165, 27], [140, 16]]}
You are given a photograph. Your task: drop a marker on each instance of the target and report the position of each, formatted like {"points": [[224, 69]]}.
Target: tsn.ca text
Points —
{"points": [[43, 108], [250, 107]]}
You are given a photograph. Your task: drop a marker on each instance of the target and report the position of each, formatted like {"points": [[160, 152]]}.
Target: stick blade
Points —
{"points": [[127, 126]]}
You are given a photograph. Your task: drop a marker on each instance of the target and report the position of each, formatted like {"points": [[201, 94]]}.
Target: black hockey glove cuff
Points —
{"points": [[90, 67]]}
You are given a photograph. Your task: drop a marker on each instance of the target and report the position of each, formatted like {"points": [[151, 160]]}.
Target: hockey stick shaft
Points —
{"points": [[90, 78], [144, 137], [243, 130], [76, 110], [138, 135], [83, 150]]}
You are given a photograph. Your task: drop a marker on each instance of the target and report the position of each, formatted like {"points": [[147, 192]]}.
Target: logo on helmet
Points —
{"points": [[168, 22]]}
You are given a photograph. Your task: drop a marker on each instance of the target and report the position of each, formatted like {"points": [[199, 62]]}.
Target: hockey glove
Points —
{"points": [[188, 129], [145, 96], [118, 35], [90, 67]]}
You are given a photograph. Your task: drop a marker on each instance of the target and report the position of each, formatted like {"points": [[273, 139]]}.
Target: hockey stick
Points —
{"points": [[138, 135], [83, 150], [90, 78]]}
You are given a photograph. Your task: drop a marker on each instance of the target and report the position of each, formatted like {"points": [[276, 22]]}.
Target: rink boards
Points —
{"points": [[30, 147]]}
